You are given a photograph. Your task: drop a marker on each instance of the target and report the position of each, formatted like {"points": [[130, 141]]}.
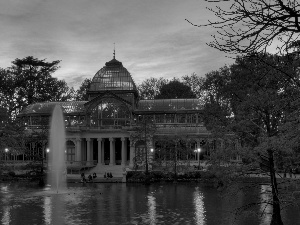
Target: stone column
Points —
{"points": [[78, 150], [102, 153], [99, 151], [88, 151], [124, 159], [112, 152]]}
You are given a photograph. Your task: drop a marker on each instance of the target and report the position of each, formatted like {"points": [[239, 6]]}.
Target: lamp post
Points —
{"points": [[6, 150], [199, 150], [146, 150], [47, 155], [151, 157]]}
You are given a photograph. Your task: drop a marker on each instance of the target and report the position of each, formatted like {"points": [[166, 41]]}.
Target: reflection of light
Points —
{"points": [[265, 208], [6, 215], [5, 209], [152, 209], [199, 207], [4, 189], [47, 210]]}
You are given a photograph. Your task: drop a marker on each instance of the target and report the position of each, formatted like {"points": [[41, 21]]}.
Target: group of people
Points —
{"points": [[108, 175], [90, 177]]}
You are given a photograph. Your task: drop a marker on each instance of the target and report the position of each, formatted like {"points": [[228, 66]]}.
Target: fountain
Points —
{"points": [[57, 164]]}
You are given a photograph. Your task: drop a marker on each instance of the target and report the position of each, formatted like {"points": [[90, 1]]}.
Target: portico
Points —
{"points": [[91, 151]]}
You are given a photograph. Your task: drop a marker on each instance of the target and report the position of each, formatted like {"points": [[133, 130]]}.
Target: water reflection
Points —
{"points": [[265, 206], [47, 210], [4, 189], [199, 207], [131, 204], [6, 215], [152, 208], [53, 209]]}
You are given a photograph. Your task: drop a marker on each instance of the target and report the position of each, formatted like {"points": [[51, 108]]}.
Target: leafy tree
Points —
{"points": [[13, 138], [195, 82], [258, 99], [170, 150], [81, 93], [29, 80], [35, 83], [7, 94], [150, 88], [249, 26], [143, 131], [175, 89], [217, 106], [4, 118], [38, 139]]}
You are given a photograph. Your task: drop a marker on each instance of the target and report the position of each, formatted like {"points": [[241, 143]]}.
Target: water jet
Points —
{"points": [[57, 140]]}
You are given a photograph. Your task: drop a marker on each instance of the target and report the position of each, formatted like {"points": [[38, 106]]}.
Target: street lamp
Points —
{"points": [[47, 150], [151, 157], [199, 150], [146, 151], [6, 150]]}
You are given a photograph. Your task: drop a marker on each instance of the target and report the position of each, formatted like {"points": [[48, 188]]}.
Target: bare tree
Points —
{"points": [[252, 25]]}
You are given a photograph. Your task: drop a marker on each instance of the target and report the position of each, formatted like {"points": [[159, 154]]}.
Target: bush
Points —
{"points": [[12, 173], [135, 175], [208, 175], [155, 176]]}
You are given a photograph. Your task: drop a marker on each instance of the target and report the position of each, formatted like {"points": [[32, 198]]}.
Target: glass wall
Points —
{"points": [[110, 112]]}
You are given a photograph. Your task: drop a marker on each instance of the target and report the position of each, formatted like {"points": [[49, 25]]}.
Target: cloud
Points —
{"points": [[152, 37]]}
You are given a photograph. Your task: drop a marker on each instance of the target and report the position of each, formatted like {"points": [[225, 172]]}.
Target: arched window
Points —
{"points": [[110, 112]]}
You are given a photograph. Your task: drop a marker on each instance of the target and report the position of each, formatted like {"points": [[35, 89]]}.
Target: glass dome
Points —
{"points": [[113, 76]]}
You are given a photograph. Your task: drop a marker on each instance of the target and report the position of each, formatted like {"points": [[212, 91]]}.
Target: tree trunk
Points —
{"points": [[276, 216]]}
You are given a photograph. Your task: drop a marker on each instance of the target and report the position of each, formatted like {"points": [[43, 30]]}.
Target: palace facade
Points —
{"points": [[114, 128]]}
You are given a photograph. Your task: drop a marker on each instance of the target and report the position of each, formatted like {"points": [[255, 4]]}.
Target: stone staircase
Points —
{"points": [[100, 170], [116, 170]]}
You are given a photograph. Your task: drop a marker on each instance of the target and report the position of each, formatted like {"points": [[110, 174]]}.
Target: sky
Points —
{"points": [[152, 37]]}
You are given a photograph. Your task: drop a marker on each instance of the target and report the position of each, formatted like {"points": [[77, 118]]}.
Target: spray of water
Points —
{"points": [[57, 164]]}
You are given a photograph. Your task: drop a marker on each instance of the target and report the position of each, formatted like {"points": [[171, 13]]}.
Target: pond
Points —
{"points": [[117, 203]]}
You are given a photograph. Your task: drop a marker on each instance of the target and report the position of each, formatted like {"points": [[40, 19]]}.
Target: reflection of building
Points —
{"points": [[100, 131]]}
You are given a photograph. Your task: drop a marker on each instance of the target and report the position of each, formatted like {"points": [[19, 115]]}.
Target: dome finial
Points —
{"points": [[114, 51]]}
